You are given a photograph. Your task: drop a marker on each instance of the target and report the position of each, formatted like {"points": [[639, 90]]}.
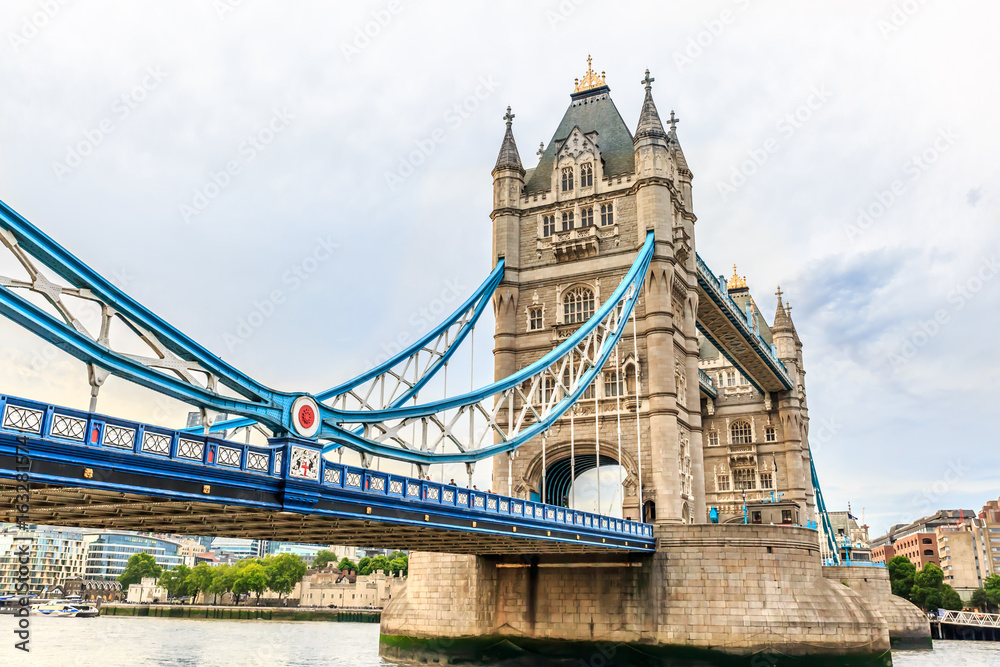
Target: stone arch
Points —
{"points": [[558, 466]]}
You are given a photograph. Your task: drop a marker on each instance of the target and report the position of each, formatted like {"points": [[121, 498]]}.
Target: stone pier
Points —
{"points": [[711, 594]]}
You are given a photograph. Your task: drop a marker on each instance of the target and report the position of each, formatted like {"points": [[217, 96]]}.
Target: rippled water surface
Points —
{"points": [[175, 642]]}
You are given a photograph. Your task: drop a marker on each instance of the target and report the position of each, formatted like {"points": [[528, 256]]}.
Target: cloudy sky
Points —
{"points": [[200, 152]]}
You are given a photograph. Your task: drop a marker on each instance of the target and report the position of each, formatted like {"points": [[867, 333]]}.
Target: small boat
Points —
{"points": [[63, 609]]}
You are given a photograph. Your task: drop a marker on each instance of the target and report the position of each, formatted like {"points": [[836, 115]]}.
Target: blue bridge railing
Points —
{"points": [[720, 293], [288, 460], [706, 383]]}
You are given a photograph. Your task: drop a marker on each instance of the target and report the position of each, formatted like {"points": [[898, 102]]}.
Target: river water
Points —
{"points": [[176, 642]]}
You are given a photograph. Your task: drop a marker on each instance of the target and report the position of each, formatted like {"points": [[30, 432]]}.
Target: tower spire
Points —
{"points": [[649, 119], [509, 157]]}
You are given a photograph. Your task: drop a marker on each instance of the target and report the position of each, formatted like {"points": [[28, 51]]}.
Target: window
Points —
{"points": [[578, 305], [535, 319], [586, 175], [769, 434], [548, 225], [567, 179], [713, 438], [567, 220], [545, 388], [587, 216], [587, 393], [739, 432], [607, 214], [786, 516], [766, 480], [722, 481], [745, 479], [755, 517], [928, 552], [613, 385], [928, 541], [731, 379]]}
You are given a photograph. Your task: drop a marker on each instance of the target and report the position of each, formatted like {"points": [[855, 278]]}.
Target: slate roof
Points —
{"points": [[591, 111]]}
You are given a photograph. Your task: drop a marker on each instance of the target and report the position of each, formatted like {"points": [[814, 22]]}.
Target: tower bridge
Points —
{"points": [[615, 344]]}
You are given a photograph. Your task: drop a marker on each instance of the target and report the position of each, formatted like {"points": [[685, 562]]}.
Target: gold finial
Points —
{"points": [[590, 80], [736, 282]]}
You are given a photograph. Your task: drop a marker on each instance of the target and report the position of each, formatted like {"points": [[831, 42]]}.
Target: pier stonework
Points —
{"points": [[720, 593], [730, 590]]}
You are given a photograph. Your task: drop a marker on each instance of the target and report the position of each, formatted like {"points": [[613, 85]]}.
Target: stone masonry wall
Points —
{"points": [[906, 620], [733, 588]]}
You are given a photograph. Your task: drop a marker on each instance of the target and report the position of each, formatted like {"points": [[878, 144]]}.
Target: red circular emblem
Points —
{"points": [[306, 416]]}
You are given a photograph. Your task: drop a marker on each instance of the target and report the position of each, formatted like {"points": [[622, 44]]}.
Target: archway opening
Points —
{"points": [[581, 493]]}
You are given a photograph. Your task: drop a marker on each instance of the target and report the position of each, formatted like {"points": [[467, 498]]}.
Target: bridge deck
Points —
{"points": [[729, 330], [93, 471]]}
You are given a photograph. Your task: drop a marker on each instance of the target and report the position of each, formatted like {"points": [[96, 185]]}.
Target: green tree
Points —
{"points": [[399, 565], [324, 558], [380, 564], [140, 565], [283, 572], [365, 565], [950, 599], [251, 578], [901, 573], [347, 564], [987, 598], [222, 580], [200, 579], [397, 554], [175, 580], [929, 591]]}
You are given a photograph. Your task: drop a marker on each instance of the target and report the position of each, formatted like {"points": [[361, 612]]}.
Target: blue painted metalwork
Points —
{"points": [[478, 300], [619, 305], [715, 287], [259, 402], [831, 541], [706, 384], [78, 438]]}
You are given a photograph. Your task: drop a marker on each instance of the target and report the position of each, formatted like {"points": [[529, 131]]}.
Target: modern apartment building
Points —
{"points": [[53, 555]]}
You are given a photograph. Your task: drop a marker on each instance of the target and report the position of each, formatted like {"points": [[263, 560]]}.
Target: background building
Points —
{"points": [[917, 541], [847, 531], [108, 552], [55, 555]]}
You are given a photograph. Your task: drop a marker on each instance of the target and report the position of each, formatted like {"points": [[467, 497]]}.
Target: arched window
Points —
{"points": [[578, 305], [586, 175], [739, 432], [567, 179]]}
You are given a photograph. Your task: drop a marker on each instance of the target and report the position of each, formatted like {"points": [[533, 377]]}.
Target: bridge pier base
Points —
{"points": [[711, 594]]}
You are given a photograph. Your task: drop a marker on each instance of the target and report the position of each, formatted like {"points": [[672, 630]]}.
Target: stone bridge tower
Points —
{"points": [[569, 229]]}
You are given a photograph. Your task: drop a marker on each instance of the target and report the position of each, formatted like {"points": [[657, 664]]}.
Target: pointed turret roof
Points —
{"points": [[591, 110], [509, 157], [649, 119], [782, 323]]}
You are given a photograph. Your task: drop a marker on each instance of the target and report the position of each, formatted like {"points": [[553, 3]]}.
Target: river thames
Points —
{"points": [[167, 642]]}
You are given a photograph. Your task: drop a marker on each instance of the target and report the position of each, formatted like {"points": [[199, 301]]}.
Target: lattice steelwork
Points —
{"points": [[229, 456], [116, 436], [71, 428], [191, 449], [23, 419], [155, 443]]}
